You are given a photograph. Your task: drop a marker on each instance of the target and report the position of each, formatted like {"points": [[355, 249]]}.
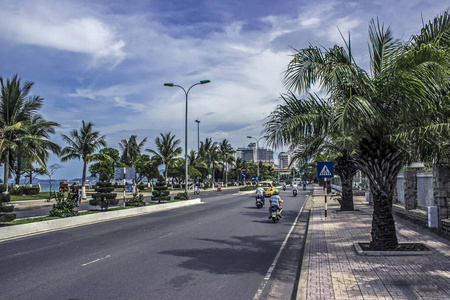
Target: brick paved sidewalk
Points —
{"points": [[332, 269]]}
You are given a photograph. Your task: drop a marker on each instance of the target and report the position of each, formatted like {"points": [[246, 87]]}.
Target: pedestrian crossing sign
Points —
{"points": [[325, 169]]}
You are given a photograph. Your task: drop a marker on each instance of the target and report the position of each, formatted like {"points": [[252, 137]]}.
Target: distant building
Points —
{"points": [[247, 154], [284, 159]]}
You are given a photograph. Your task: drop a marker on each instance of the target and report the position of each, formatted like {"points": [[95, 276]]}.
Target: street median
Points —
{"points": [[18, 231]]}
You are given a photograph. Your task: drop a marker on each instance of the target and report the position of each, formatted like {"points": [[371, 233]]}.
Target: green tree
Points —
{"points": [[17, 109], [107, 161], [82, 146], [35, 143], [167, 150], [131, 150], [146, 167], [376, 109], [226, 157]]}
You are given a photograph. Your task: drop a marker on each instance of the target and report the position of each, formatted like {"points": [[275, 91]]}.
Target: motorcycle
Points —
{"points": [[259, 201], [284, 187], [196, 190], [294, 192], [275, 214], [304, 186], [219, 188]]}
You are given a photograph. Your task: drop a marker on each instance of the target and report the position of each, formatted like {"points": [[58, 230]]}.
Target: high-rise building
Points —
{"points": [[247, 154], [284, 159]]}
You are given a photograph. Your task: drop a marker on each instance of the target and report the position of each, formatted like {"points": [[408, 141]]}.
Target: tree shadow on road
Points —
{"points": [[247, 254]]}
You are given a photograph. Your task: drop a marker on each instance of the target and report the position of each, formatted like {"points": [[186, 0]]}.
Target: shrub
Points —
{"points": [[136, 200], [161, 193], [27, 190], [182, 196], [6, 211], [141, 186], [104, 197], [63, 207]]}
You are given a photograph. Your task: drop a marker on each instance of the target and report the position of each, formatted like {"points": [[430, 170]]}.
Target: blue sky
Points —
{"points": [[106, 61]]}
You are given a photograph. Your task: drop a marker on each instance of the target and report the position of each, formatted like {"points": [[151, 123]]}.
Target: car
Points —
{"points": [[268, 187]]}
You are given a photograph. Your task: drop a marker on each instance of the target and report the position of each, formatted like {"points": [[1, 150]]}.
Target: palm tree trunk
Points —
{"points": [[381, 162], [6, 171], [83, 181], [346, 169]]}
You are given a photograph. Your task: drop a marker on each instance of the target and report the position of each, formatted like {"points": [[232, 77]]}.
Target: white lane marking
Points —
{"points": [[164, 236], [275, 261], [94, 261]]}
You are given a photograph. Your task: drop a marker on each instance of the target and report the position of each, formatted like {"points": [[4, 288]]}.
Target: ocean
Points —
{"points": [[45, 185]]}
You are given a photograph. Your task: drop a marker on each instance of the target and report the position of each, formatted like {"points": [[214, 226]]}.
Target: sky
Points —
{"points": [[106, 62]]}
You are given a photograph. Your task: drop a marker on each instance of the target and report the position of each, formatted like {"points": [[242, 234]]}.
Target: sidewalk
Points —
{"points": [[332, 269]]}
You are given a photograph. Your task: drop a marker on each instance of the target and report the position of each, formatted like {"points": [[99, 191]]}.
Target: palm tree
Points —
{"points": [[306, 125], [226, 156], [167, 150], [209, 152], [131, 149], [395, 100], [16, 111], [82, 145], [35, 143]]}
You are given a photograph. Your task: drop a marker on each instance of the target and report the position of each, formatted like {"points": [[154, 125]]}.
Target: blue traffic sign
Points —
{"points": [[244, 175], [255, 178], [325, 169]]}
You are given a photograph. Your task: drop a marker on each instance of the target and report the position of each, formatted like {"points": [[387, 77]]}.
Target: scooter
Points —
{"points": [[294, 192], [196, 190], [275, 213], [284, 187], [219, 188], [259, 201], [304, 186]]}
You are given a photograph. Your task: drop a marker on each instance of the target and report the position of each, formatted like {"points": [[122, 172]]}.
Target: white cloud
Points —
{"points": [[40, 24]]}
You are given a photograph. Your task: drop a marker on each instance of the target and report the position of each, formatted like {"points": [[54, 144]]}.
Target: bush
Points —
{"points": [[182, 196], [27, 190], [104, 197], [137, 200], [161, 193], [141, 186], [63, 207]]}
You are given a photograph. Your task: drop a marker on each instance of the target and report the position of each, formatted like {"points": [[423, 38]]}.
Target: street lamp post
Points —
{"points": [[198, 135], [257, 162], [186, 127]]}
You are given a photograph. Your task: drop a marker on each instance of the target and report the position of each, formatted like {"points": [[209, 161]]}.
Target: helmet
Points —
{"points": [[276, 192]]}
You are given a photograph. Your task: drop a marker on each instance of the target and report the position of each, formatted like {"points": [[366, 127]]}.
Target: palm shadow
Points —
{"points": [[247, 254]]}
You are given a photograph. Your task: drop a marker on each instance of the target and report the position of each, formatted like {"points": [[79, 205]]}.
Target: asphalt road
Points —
{"points": [[222, 249]]}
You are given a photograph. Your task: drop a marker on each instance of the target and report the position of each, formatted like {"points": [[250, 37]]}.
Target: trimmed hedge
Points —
{"points": [[104, 197]]}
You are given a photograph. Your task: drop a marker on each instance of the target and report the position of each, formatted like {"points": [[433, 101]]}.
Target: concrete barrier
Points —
{"points": [[18, 231]]}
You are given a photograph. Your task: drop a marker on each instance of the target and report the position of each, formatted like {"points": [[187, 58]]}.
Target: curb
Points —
{"points": [[19, 231], [304, 272]]}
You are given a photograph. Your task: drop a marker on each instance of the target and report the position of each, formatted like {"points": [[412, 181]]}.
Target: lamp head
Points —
{"points": [[205, 81], [168, 84], [249, 137]]}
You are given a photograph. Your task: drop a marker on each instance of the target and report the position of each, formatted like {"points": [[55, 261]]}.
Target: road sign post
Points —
{"points": [[325, 170]]}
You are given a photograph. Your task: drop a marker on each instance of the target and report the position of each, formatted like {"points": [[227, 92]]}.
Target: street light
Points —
{"points": [[186, 127], [198, 135], [257, 162]]}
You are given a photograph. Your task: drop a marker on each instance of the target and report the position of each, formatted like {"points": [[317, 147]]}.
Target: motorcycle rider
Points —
{"points": [[295, 187], [260, 192], [284, 186], [275, 200]]}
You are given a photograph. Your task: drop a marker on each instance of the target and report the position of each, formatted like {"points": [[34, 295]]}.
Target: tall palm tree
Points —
{"points": [[82, 146], [167, 150], [16, 111], [131, 149], [394, 100], [305, 125], [226, 156], [35, 143]]}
